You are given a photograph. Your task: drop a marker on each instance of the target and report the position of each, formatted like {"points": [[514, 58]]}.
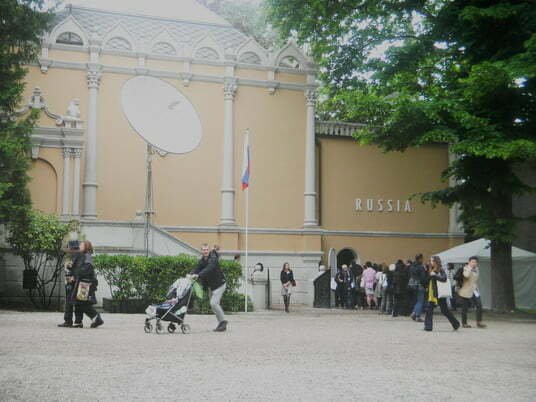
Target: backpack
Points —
{"points": [[458, 277]]}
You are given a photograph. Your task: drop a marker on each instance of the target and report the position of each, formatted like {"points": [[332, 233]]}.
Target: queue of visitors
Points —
{"points": [[411, 288]]}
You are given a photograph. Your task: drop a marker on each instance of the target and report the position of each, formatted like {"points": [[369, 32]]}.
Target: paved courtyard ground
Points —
{"points": [[310, 355]]}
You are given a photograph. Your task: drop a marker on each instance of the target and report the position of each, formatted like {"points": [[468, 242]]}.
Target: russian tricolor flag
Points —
{"points": [[246, 163]]}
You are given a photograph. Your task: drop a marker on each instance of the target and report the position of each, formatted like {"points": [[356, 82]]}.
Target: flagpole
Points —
{"points": [[247, 166], [246, 270]]}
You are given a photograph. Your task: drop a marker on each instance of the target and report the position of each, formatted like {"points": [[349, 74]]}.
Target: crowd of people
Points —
{"points": [[411, 288]]}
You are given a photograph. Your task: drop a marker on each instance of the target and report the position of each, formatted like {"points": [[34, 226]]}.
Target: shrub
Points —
{"points": [[149, 278]]}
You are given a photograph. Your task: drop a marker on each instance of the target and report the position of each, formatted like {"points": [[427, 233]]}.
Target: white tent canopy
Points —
{"points": [[523, 267]]}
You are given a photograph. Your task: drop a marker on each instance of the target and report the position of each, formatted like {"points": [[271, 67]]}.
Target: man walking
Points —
{"points": [[211, 276], [469, 292]]}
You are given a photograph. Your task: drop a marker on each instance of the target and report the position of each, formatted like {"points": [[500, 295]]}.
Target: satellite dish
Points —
{"points": [[161, 115]]}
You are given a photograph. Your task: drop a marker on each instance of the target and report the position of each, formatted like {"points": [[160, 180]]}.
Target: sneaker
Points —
{"points": [[480, 325], [78, 325], [97, 322], [412, 316], [467, 326], [222, 327], [65, 325], [419, 319]]}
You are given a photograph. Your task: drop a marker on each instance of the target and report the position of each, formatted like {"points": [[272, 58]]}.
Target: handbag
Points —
{"points": [[443, 289], [333, 284], [82, 294], [293, 282]]}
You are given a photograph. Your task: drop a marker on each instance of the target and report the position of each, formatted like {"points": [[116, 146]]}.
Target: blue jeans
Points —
{"points": [[419, 305]]}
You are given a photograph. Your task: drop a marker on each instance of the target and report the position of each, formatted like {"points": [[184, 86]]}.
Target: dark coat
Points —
{"points": [[400, 279], [389, 275], [357, 270], [84, 271], [209, 271], [344, 279], [418, 273], [286, 276], [441, 277]]}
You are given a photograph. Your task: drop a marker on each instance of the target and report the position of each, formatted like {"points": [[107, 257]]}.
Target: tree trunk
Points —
{"points": [[502, 285]]}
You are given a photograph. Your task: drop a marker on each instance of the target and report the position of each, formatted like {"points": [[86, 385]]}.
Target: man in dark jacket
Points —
{"points": [[357, 296], [211, 276], [416, 288], [400, 285], [76, 260]]}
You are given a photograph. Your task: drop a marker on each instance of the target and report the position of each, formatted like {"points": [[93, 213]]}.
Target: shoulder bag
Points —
{"points": [[443, 289], [82, 293]]}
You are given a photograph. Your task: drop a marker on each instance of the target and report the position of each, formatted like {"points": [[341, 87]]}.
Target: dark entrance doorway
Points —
{"points": [[346, 256]]}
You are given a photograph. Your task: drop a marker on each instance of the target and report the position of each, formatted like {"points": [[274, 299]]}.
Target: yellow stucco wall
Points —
{"points": [[44, 186], [59, 88], [251, 74], [289, 77], [387, 249], [117, 61], [349, 171], [69, 56], [277, 124], [187, 187], [207, 69]]}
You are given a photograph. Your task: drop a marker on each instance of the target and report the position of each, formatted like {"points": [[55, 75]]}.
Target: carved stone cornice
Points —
{"points": [[37, 101]]}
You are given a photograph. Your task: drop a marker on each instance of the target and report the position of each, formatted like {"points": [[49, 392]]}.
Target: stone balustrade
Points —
{"points": [[337, 128]]}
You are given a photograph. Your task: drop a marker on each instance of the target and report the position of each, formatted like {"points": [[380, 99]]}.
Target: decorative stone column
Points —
{"points": [[76, 152], [310, 219], [90, 177], [66, 181], [227, 189]]}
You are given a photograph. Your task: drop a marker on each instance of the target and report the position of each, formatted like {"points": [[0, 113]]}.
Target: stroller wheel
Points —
{"points": [[171, 328], [148, 328], [185, 328], [159, 328]]}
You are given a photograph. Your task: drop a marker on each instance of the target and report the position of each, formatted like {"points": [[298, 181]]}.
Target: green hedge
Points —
{"points": [[149, 278]]}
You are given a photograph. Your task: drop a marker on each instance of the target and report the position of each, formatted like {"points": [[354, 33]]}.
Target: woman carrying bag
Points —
{"points": [[437, 290], [83, 295]]}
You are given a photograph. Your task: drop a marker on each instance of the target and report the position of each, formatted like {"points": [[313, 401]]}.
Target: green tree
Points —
{"points": [[21, 25], [248, 16], [38, 240], [459, 72]]}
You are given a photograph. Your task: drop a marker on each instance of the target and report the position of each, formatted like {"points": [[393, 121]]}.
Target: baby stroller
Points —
{"points": [[173, 310]]}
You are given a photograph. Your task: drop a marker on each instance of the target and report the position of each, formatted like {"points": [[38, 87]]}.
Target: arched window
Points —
{"points": [[163, 48], [289, 62], [207, 53], [250, 58], [118, 43], [69, 38]]}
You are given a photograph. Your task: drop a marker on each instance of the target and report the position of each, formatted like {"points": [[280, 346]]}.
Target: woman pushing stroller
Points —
{"points": [[211, 276]]}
